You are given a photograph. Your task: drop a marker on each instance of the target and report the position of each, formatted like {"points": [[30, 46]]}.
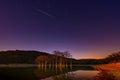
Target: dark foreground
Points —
{"points": [[34, 73]]}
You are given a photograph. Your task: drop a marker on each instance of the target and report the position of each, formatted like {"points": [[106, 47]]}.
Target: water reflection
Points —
{"points": [[43, 73], [46, 73], [105, 75], [66, 73]]}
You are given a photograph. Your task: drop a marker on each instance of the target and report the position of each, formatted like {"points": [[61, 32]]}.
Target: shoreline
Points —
{"points": [[108, 67], [30, 65], [109, 71], [17, 65]]}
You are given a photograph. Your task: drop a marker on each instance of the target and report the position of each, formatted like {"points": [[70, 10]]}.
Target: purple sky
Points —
{"points": [[87, 29]]}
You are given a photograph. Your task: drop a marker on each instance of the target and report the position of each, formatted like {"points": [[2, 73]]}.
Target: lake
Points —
{"points": [[35, 73]]}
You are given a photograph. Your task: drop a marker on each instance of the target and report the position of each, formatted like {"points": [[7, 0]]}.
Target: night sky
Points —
{"points": [[85, 28]]}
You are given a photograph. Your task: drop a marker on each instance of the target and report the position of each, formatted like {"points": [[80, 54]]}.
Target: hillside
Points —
{"points": [[29, 57], [19, 56]]}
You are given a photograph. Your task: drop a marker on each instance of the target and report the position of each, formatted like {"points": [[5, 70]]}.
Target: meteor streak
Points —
{"points": [[45, 13]]}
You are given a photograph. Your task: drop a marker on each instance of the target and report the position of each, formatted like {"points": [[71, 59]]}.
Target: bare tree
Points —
{"points": [[63, 58]]}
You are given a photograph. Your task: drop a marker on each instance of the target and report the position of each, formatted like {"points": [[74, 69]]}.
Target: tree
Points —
{"points": [[63, 58], [41, 60], [114, 57], [58, 55]]}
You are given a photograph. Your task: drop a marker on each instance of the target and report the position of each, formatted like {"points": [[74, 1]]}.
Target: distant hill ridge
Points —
{"points": [[19, 56], [29, 56]]}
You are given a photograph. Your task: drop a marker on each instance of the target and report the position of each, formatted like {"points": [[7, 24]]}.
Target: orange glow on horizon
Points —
{"points": [[90, 56]]}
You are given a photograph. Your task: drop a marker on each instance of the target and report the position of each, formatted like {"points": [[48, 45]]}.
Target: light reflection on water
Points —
{"points": [[77, 73]]}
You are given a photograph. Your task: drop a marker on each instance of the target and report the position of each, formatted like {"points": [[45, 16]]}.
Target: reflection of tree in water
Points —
{"points": [[104, 75], [54, 73], [64, 76], [58, 73]]}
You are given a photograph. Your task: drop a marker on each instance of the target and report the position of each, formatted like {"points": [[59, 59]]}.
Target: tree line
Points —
{"points": [[113, 58], [57, 58], [61, 59]]}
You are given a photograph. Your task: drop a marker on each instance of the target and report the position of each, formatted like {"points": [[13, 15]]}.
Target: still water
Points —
{"points": [[34, 73]]}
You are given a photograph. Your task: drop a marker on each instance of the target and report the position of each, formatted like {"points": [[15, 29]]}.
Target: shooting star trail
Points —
{"points": [[45, 13]]}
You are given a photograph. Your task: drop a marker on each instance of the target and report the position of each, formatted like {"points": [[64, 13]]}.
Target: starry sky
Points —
{"points": [[85, 28]]}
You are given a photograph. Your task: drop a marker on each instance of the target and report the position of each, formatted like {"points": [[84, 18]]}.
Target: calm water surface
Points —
{"points": [[76, 73]]}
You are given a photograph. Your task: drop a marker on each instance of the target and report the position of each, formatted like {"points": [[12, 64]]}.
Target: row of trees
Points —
{"points": [[114, 57], [61, 59]]}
